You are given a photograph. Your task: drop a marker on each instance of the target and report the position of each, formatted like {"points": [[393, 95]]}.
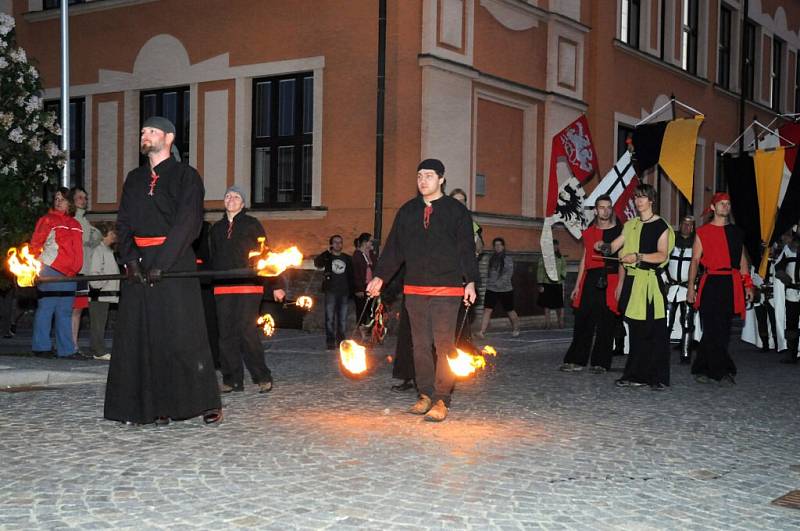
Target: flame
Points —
{"points": [[272, 264], [267, 324], [23, 265], [465, 365], [305, 302], [352, 358]]}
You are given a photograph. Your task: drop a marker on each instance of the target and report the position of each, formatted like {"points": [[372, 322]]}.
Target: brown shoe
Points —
{"points": [[437, 413], [265, 387], [422, 406]]}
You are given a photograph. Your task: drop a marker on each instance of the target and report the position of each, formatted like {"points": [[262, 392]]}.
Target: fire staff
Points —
{"points": [[432, 235], [161, 365]]}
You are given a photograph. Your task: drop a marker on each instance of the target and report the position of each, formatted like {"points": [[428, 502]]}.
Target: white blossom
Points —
{"points": [[51, 149], [34, 126], [6, 23], [61, 163], [3, 63], [6, 119], [34, 73], [13, 165], [16, 135], [33, 104], [19, 56], [4, 169], [35, 144]]}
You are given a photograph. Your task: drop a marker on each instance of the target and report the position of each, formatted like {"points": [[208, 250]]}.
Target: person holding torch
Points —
{"points": [[432, 235]]}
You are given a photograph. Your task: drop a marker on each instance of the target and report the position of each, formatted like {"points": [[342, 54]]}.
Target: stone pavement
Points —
{"points": [[525, 447]]}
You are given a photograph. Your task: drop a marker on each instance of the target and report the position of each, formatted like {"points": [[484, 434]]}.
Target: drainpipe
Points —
{"points": [[379, 126], [742, 70], [65, 90]]}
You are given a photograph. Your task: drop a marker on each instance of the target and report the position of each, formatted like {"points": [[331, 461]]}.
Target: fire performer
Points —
{"points": [[724, 286], [432, 235], [161, 364], [593, 297], [680, 321], [238, 301]]}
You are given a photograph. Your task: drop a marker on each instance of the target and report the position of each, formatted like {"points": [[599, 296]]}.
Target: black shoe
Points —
{"points": [[405, 386], [162, 421], [658, 387], [213, 416], [77, 356], [47, 354]]}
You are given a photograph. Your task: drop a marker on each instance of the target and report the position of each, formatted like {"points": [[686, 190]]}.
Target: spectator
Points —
{"points": [[338, 288], [551, 292], [58, 244], [91, 239], [363, 262], [106, 291], [499, 288]]}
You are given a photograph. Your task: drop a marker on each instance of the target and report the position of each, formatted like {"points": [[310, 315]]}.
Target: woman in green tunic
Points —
{"points": [[646, 242]]}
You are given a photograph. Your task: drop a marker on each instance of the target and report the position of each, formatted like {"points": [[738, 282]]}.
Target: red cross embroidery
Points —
{"points": [[153, 181]]}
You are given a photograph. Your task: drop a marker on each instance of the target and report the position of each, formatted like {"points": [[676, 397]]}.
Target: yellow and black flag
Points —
{"points": [[769, 173], [671, 145]]}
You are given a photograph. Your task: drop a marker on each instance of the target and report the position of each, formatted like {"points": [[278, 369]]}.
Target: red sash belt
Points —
{"points": [[149, 241], [738, 289], [228, 290], [434, 291]]}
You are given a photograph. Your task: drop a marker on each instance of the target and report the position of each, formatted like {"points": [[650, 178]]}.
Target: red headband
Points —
{"points": [[719, 196]]}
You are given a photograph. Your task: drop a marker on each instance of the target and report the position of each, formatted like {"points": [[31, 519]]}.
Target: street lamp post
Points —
{"points": [[65, 91]]}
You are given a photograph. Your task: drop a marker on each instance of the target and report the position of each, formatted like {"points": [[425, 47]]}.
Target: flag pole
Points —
{"points": [[65, 181]]}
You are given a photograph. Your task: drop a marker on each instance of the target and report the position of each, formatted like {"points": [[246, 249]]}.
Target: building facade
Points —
{"points": [[279, 97]]}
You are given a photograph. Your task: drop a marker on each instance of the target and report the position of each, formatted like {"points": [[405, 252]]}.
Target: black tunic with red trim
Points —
{"points": [[161, 363], [435, 243]]}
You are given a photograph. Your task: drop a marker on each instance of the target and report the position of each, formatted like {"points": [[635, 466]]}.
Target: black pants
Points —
{"points": [[648, 361], [239, 339], [792, 320], [716, 316], [433, 322], [594, 328], [403, 368]]}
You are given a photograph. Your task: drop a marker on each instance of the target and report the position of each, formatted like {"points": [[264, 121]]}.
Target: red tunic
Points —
{"points": [[716, 259], [590, 236]]}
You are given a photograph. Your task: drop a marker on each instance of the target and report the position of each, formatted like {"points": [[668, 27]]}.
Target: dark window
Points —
{"points": [[720, 181], [283, 122], [77, 153], [749, 81], [777, 73], [631, 14], [797, 82], [55, 4], [623, 133], [690, 31], [662, 24], [173, 104], [724, 63]]}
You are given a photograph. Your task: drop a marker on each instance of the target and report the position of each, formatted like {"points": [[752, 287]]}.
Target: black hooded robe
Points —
{"points": [[161, 363]]}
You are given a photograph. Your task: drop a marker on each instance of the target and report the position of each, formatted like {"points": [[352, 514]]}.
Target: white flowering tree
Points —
{"points": [[29, 153]]}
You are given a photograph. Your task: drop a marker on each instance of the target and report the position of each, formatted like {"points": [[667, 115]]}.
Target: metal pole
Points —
{"points": [[379, 127], [65, 90], [742, 73]]}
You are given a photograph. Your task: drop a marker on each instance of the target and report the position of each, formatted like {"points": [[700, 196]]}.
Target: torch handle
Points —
{"points": [[228, 273]]}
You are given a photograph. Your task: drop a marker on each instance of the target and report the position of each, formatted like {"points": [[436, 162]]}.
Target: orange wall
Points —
{"points": [[499, 157]]}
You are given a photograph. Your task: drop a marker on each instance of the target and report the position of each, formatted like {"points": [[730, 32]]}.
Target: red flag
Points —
{"points": [[790, 133], [573, 143], [624, 208]]}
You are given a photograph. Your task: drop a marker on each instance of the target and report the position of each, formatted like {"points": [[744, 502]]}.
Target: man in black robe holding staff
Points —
{"points": [[161, 365]]}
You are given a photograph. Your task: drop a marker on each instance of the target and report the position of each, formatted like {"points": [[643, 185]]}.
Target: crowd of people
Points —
{"points": [[639, 284]]}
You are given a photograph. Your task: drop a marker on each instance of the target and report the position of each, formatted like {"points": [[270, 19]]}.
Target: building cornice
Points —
{"points": [[82, 9]]}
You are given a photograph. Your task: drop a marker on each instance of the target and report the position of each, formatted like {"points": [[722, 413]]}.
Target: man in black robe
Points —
{"points": [[161, 364]]}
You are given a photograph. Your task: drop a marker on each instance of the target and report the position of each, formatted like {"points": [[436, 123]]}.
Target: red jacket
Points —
{"points": [[58, 242]]}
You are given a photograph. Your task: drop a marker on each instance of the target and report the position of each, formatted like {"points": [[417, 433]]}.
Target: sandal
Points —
{"points": [[213, 416], [161, 421]]}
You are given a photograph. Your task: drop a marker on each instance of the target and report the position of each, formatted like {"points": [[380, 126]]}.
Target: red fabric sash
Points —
{"points": [[149, 241], [434, 291], [229, 290], [611, 299], [738, 289]]}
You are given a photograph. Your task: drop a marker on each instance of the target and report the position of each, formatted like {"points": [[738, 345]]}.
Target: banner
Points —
{"points": [[574, 145]]}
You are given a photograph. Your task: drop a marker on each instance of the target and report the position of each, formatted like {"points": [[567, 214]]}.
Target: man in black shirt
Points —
{"points": [[432, 235], [338, 288]]}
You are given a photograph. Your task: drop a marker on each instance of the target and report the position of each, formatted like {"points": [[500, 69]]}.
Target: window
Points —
{"points": [[720, 181], [629, 30], [689, 36], [623, 133], [797, 83], [749, 81], [77, 153], [724, 55], [172, 104], [55, 4], [776, 76], [282, 144]]}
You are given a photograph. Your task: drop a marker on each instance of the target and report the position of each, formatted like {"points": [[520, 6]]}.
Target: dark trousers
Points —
{"points": [[239, 339], [403, 367], [594, 328], [433, 323], [648, 361], [716, 316], [792, 320], [335, 318], [765, 317], [98, 317]]}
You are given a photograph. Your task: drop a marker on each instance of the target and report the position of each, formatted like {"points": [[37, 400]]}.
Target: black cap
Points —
{"points": [[432, 164], [159, 122]]}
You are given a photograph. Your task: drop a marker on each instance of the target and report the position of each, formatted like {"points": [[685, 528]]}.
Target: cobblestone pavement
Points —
{"points": [[525, 447]]}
